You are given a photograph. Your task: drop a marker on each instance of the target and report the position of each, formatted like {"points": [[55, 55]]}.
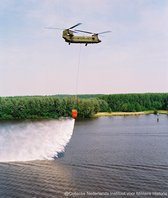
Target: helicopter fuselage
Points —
{"points": [[71, 38]]}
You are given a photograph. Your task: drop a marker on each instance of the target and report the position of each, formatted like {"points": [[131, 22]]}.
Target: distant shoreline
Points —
{"points": [[100, 114]]}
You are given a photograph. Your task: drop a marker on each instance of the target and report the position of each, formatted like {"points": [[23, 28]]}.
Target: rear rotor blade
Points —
{"points": [[75, 25], [104, 32]]}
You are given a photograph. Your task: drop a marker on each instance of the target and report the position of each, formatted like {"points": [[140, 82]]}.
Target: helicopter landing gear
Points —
{"points": [[85, 44], [69, 43]]}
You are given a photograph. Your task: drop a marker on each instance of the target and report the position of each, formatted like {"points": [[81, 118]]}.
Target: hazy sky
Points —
{"points": [[37, 61]]}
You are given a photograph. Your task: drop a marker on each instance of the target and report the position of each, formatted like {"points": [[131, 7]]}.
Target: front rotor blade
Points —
{"points": [[73, 31], [84, 31], [53, 28], [104, 32], [75, 25]]}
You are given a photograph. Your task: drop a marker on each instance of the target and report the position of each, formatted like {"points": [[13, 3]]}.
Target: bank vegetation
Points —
{"points": [[43, 107]]}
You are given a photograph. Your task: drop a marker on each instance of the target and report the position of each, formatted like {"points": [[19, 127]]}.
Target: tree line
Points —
{"points": [[38, 107], [136, 102]]}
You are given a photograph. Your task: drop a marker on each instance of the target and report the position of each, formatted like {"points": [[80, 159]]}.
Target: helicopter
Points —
{"points": [[68, 35]]}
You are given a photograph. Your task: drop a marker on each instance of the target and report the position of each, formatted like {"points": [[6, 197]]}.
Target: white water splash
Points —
{"points": [[37, 140]]}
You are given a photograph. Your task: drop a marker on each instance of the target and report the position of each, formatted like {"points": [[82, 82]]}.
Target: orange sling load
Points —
{"points": [[74, 113]]}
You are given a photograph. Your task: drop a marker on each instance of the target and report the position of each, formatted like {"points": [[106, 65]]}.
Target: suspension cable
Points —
{"points": [[77, 74], [75, 111]]}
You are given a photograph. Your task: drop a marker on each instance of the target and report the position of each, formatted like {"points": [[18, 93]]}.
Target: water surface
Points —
{"points": [[110, 154]]}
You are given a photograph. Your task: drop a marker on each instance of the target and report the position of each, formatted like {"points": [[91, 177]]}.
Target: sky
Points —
{"points": [[133, 58]]}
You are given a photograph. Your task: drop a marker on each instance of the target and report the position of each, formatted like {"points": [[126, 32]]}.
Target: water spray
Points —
{"points": [[34, 140]]}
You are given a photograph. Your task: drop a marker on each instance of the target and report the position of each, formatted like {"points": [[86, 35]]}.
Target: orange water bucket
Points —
{"points": [[74, 113]]}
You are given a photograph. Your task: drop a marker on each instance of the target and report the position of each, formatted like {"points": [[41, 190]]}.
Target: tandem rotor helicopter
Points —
{"points": [[68, 35]]}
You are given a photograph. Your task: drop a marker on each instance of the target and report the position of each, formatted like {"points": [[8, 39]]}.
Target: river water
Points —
{"points": [[123, 156]]}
